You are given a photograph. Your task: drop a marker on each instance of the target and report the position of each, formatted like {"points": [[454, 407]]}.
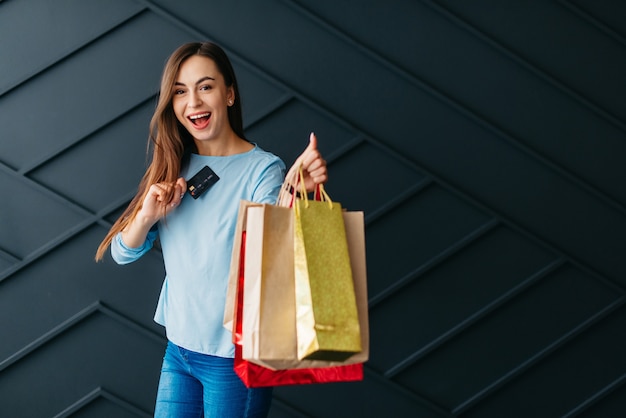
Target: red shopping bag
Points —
{"points": [[254, 375]]}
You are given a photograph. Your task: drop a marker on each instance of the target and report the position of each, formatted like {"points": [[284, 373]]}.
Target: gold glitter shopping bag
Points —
{"points": [[327, 320]]}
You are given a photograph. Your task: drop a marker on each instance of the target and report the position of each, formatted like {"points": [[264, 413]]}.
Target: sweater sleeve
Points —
{"points": [[269, 182], [123, 254]]}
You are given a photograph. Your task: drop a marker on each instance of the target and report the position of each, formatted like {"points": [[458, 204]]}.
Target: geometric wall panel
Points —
{"points": [[485, 142], [120, 144], [530, 323], [289, 140], [487, 270], [67, 26], [83, 92], [578, 381], [101, 403], [358, 399], [431, 223], [78, 361], [46, 293], [23, 229], [387, 180]]}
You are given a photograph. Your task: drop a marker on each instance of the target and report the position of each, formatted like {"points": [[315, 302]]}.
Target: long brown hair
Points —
{"points": [[169, 140]]}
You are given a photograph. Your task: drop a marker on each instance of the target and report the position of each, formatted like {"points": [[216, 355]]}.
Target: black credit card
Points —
{"points": [[201, 182]]}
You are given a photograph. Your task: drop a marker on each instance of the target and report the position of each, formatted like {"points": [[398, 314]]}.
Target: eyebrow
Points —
{"points": [[178, 83]]}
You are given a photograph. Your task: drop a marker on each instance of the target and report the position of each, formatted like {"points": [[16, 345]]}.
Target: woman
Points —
{"points": [[198, 123]]}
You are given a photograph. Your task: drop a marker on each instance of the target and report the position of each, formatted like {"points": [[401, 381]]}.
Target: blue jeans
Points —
{"points": [[199, 385]]}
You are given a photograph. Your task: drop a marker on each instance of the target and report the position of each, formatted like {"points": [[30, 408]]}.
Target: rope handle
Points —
{"points": [[293, 188]]}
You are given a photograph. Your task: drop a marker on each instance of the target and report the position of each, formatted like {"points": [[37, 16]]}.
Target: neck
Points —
{"points": [[230, 145]]}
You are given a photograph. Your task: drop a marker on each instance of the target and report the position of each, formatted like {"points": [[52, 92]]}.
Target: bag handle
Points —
{"points": [[293, 188], [319, 195], [287, 191]]}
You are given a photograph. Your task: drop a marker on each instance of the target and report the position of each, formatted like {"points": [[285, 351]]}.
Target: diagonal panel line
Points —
{"points": [[538, 357], [469, 113], [43, 159], [593, 21], [70, 54], [89, 310], [278, 104], [97, 219], [88, 220], [597, 397], [129, 323], [470, 320], [395, 387], [398, 200], [432, 263], [76, 406], [101, 393], [345, 148], [289, 408], [44, 249], [48, 336], [10, 257], [124, 404], [526, 64], [187, 27]]}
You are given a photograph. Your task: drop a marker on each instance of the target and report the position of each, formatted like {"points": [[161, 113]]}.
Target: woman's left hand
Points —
{"points": [[313, 165]]}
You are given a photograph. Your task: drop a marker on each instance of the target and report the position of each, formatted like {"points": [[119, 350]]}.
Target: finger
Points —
{"points": [[292, 175], [312, 160], [180, 188], [310, 151], [319, 171], [182, 184], [312, 142], [158, 191], [178, 192], [319, 176], [166, 194], [316, 164]]}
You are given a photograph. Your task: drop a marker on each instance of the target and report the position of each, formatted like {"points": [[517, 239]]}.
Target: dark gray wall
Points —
{"points": [[484, 139]]}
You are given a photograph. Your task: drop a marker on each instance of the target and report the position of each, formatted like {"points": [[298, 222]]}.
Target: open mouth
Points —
{"points": [[200, 120]]}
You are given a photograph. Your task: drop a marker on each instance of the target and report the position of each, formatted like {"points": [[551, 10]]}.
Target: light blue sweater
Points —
{"points": [[197, 240]]}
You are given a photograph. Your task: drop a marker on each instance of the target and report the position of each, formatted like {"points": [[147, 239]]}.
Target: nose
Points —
{"points": [[194, 99]]}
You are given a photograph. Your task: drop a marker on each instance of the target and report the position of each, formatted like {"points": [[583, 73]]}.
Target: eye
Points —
{"points": [[178, 92], [205, 87]]}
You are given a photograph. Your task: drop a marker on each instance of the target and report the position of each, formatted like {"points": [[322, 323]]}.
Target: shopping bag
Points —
{"points": [[269, 323], [327, 321], [230, 307], [268, 330], [254, 375]]}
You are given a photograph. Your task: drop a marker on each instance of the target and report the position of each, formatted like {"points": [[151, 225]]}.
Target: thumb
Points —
{"points": [[181, 183], [312, 142]]}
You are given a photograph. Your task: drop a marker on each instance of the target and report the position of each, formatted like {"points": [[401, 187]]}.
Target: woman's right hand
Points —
{"points": [[156, 205]]}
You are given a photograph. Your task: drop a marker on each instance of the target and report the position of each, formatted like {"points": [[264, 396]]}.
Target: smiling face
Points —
{"points": [[200, 99]]}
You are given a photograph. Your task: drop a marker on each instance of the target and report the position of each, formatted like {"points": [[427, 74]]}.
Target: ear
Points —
{"points": [[230, 95]]}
